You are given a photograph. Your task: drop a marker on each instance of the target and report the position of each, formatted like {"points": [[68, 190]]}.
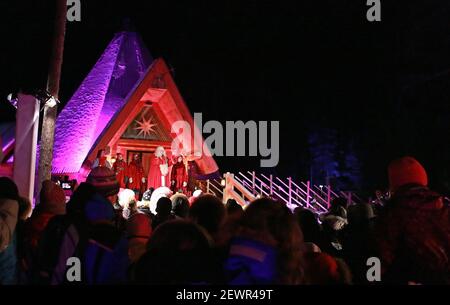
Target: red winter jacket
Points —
{"points": [[413, 238]]}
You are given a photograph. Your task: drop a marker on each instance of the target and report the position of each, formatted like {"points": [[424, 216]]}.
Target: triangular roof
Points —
{"points": [[109, 98], [98, 99], [157, 88]]}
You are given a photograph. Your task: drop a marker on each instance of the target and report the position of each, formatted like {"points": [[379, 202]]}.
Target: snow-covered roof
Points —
{"points": [[101, 95]]}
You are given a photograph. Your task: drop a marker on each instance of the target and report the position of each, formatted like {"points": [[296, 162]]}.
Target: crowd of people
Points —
{"points": [[132, 175], [173, 239]]}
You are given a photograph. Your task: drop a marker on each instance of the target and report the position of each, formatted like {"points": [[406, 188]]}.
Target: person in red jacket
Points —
{"points": [[120, 167], [52, 202], [179, 176], [136, 175], [158, 174], [412, 231]]}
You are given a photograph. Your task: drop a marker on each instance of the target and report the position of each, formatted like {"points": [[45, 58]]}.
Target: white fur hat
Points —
{"points": [[158, 193], [125, 197]]}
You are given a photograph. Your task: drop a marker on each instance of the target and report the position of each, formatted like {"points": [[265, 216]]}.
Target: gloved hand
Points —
{"points": [[126, 213], [130, 180], [164, 169], [143, 180], [173, 182], [184, 184]]}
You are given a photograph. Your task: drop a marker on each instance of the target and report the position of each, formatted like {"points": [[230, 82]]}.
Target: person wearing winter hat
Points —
{"points": [[412, 231], [52, 199], [8, 189], [105, 182], [89, 233], [139, 230], [406, 171], [52, 203], [127, 203], [60, 239], [51, 206], [156, 195]]}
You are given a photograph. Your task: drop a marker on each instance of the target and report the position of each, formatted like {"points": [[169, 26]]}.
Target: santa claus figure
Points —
{"points": [[120, 167], [136, 178], [159, 169], [178, 176]]}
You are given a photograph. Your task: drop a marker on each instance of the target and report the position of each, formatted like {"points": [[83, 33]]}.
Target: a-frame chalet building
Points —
{"points": [[127, 103]]}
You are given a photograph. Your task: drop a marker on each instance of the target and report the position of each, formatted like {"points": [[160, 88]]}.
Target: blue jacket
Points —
{"points": [[8, 263], [251, 263]]}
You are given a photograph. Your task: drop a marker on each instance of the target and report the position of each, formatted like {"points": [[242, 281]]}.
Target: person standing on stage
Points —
{"points": [[159, 169], [178, 176], [136, 175], [120, 167]]}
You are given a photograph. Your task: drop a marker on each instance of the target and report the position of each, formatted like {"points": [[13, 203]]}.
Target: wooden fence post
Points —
{"points": [[307, 194]]}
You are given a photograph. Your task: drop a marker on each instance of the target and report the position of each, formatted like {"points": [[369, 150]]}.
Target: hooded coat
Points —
{"points": [[413, 237]]}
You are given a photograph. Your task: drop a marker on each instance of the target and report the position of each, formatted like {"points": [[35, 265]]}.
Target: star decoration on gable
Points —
{"points": [[145, 127]]}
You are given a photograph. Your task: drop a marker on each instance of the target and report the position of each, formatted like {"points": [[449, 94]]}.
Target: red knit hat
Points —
{"points": [[52, 198], [104, 180], [406, 170]]}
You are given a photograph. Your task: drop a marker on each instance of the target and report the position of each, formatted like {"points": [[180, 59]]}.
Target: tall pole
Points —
{"points": [[54, 75], [27, 125]]}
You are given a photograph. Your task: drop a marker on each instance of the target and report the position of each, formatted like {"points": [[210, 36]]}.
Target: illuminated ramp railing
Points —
{"points": [[230, 187], [214, 187], [245, 187]]}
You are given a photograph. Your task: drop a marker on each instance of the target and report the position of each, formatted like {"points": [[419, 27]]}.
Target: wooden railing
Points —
{"points": [[246, 187]]}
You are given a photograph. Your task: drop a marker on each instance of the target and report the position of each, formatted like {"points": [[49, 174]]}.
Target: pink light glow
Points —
{"points": [[100, 96], [7, 146]]}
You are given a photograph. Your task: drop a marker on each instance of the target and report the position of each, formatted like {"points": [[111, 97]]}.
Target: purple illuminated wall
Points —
{"points": [[98, 99]]}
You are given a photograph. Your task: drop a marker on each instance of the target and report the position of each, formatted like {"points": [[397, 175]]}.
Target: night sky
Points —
{"points": [[383, 86]]}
